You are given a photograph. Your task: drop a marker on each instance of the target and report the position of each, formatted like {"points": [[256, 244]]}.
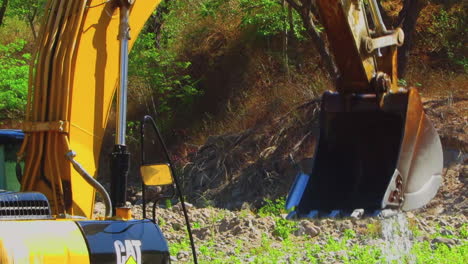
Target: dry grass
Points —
{"points": [[266, 90], [269, 92], [435, 81], [207, 34], [14, 29]]}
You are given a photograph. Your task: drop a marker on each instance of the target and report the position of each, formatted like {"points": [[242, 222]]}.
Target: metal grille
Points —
{"points": [[23, 206]]}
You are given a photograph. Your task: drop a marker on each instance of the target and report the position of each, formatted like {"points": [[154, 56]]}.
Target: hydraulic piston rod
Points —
{"points": [[120, 157], [124, 37]]}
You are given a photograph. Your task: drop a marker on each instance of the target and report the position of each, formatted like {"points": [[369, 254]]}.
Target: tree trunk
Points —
{"points": [[284, 35], [31, 18], [304, 8], [3, 8], [321, 47], [292, 31], [158, 21], [33, 29], [407, 21]]}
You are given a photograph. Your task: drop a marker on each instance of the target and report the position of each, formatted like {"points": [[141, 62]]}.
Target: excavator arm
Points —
{"points": [[376, 150]]}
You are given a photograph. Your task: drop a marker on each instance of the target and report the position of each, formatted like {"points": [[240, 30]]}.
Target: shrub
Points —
{"points": [[273, 208], [14, 70], [160, 70], [448, 34]]}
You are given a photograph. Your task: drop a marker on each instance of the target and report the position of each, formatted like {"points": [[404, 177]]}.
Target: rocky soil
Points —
{"points": [[240, 233]]}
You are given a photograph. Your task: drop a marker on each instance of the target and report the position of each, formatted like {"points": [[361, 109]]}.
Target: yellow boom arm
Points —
{"points": [[73, 79]]}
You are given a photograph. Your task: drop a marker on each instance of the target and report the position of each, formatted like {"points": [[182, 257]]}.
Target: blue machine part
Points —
{"points": [[11, 135], [297, 190]]}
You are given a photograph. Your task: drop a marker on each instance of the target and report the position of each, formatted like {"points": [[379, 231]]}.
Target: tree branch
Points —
{"points": [[294, 4], [304, 8], [407, 21], [2, 10]]}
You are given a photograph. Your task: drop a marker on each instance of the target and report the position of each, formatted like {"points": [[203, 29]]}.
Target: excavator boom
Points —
{"points": [[76, 69], [71, 90]]}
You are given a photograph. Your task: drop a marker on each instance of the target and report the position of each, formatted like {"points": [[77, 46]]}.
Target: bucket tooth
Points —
{"points": [[313, 214], [357, 213], [388, 213], [335, 214], [375, 213], [292, 215], [297, 190]]}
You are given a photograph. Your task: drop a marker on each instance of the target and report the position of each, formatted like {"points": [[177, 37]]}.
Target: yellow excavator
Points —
{"points": [[377, 150]]}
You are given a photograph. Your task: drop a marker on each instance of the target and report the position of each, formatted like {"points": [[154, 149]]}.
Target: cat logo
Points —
{"points": [[128, 252]]}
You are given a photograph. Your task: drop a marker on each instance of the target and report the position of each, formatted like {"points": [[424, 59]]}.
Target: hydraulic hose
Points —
{"points": [[93, 182], [176, 182]]}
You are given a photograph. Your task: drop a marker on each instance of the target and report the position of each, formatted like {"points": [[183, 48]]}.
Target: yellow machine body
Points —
{"points": [[34, 242]]}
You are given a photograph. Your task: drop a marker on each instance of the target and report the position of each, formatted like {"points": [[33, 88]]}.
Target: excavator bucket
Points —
{"points": [[371, 155]]}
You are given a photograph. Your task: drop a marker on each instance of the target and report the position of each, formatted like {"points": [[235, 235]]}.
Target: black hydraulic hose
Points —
{"points": [[176, 182], [155, 203], [142, 156]]}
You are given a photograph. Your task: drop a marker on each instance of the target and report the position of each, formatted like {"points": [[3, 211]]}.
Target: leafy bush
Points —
{"points": [[160, 69], [273, 208], [270, 17], [12, 29], [449, 34], [283, 227], [14, 70], [27, 10]]}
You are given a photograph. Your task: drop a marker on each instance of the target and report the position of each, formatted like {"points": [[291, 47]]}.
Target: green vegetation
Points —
{"points": [[283, 228], [187, 44], [350, 248], [168, 203], [157, 72], [27, 10], [373, 230], [273, 208], [448, 34], [440, 254], [183, 245], [14, 71]]}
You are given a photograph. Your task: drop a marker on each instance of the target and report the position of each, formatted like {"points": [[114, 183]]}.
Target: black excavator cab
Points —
{"points": [[369, 157]]}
